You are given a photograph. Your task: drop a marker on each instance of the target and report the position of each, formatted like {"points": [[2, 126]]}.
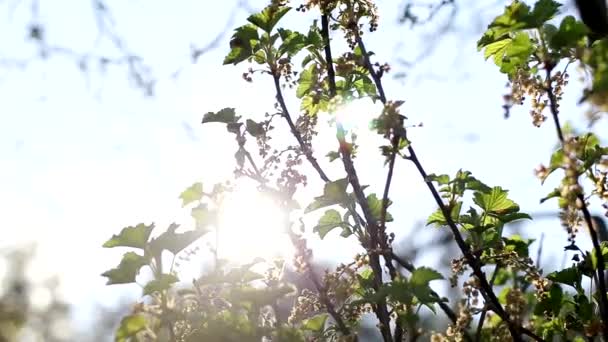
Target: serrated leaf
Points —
{"points": [[571, 33], [496, 48], [192, 193], [130, 326], [293, 42], [333, 193], [375, 206], [127, 270], [174, 242], [424, 275], [439, 220], [440, 179], [495, 201], [158, 285], [268, 17], [316, 323], [226, 115], [135, 237], [254, 128], [330, 220], [569, 276], [243, 44], [333, 155]]}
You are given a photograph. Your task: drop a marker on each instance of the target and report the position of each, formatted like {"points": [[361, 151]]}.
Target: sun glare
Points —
{"points": [[251, 226], [357, 115]]}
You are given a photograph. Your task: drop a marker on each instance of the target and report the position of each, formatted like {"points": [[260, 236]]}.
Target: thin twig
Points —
{"points": [[372, 225], [482, 317], [331, 310], [486, 289], [601, 280]]}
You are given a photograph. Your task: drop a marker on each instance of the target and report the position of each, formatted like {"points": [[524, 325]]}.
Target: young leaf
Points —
{"points": [[127, 270], [424, 275], [569, 276], [243, 44], [193, 193], [496, 201], [440, 179], [135, 237], [330, 220], [158, 285], [333, 155], [316, 323], [269, 17], [439, 220], [254, 128], [226, 115], [293, 42], [174, 242], [130, 326], [333, 193], [375, 205]]}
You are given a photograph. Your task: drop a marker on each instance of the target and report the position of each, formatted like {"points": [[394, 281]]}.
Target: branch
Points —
{"points": [[474, 263], [311, 275], [601, 280], [372, 225]]}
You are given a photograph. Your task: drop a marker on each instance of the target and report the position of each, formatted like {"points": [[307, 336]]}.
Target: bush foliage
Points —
{"points": [[504, 296]]}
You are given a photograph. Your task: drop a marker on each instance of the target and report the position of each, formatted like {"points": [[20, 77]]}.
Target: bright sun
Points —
{"points": [[251, 226]]}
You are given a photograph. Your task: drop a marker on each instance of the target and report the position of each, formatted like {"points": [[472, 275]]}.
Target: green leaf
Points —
{"points": [[516, 17], [174, 242], [135, 237], [375, 205], [254, 128], [158, 285], [440, 179], [517, 244], [571, 33], [569, 276], [329, 221], [269, 17], [293, 42], [439, 220], [243, 44], [333, 193], [226, 115], [307, 79], [130, 326], [424, 275], [513, 217], [127, 270], [333, 155], [202, 216], [495, 202], [316, 323], [497, 48], [543, 11], [192, 194]]}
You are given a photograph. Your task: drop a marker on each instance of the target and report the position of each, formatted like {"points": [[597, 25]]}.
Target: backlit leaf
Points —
{"points": [[127, 270], [135, 237]]}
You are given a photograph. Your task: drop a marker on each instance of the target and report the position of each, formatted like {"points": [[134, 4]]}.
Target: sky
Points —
{"points": [[84, 154]]}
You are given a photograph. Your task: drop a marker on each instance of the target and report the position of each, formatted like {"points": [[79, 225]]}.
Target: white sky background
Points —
{"points": [[80, 159]]}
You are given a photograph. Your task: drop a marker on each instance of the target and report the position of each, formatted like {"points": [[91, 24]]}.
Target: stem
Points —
{"points": [[305, 148], [474, 263], [601, 280], [485, 311], [372, 225], [322, 291]]}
